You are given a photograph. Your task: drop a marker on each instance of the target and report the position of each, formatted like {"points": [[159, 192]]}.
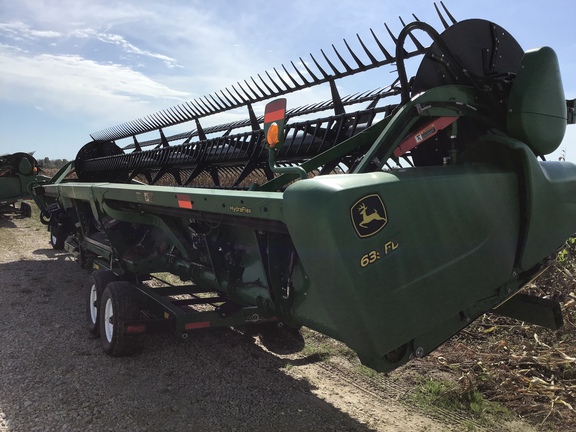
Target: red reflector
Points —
{"points": [[136, 329], [197, 325], [184, 201], [273, 116]]}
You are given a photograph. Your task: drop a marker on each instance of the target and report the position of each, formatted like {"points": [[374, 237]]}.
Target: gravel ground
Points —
{"points": [[54, 376]]}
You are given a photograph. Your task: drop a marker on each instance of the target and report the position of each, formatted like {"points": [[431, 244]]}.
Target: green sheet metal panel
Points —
{"points": [[448, 238]]}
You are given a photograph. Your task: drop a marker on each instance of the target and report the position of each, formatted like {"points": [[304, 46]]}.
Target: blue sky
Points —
{"points": [[69, 68]]}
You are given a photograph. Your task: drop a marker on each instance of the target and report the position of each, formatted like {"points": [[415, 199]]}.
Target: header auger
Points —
{"points": [[389, 219]]}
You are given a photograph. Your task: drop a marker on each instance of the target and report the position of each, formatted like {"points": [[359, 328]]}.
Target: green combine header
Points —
{"points": [[388, 219]]}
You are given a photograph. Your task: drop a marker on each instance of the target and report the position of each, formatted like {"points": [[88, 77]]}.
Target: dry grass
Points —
{"points": [[528, 369]]}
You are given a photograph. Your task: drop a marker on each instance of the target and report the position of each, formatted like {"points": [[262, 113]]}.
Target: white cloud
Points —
{"points": [[18, 30], [120, 41], [71, 84]]}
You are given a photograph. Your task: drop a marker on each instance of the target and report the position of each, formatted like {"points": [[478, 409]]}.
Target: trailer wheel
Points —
{"points": [[118, 306], [25, 210], [97, 282], [44, 217]]}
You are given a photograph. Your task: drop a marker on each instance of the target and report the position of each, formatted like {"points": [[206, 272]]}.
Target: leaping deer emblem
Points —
{"points": [[367, 218]]}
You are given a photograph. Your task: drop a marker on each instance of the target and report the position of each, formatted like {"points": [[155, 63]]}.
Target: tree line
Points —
{"points": [[48, 163]]}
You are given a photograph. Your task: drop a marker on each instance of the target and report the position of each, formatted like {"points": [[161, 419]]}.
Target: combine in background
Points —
{"points": [[388, 219], [17, 172]]}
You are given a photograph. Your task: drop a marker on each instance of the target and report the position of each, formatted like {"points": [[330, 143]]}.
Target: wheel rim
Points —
{"points": [[108, 315], [54, 239], [93, 304]]}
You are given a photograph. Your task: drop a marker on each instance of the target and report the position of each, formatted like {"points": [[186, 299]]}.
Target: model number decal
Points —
{"points": [[374, 255], [238, 209]]}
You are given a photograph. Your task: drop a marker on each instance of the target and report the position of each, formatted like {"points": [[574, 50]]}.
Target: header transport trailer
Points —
{"points": [[388, 219]]}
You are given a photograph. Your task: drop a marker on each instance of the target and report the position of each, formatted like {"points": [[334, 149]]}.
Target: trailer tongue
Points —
{"points": [[389, 219]]}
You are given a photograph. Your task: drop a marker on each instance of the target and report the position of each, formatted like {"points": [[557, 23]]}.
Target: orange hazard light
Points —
{"points": [[272, 135]]}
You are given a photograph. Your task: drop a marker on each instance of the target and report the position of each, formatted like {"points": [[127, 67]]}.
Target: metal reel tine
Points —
{"points": [[257, 96], [201, 109], [142, 124], [306, 82], [274, 82], [282, 80], [159, 120], [215, 108], [308, 70], [170, 116], [266, 85], [133, 128], [390, 32], [223, 95], [125, 129], [318, 66], [354, 56], [366, 50], [251, 98], [454, 20], [219, 106], [194, 107], [346, 66], [189, 112], [296, 83], [416, 42], [394, 38], [113, 131], [219, 101], [208, 104], [151, 121], [162, 118], [384, 51], [336, 71], [232, 96], [183, 112], [444, 23], [240, 96], [174, 116], [265, 95]]}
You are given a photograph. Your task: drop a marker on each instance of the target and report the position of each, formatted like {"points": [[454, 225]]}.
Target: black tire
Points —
{"points": [[57, 239], [95, 286], [25, 209], [118, 306]]}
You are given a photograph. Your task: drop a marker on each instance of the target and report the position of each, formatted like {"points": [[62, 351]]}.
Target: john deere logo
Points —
{"points": [[368, 215]]}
